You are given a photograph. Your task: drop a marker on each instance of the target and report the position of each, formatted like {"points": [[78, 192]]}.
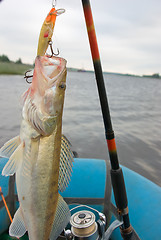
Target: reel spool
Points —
{"points": [[84, 225]]}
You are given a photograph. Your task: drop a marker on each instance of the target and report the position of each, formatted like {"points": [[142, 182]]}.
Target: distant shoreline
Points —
{"points": [[12, 68]]}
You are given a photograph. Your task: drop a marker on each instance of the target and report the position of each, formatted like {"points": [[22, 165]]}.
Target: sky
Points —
{"points": [[128, 33]]}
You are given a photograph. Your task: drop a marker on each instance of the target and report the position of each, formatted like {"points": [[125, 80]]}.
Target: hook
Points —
{"points": [[28, 76], [52, 51]]}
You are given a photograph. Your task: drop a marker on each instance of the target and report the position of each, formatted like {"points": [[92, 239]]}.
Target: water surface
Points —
{"points": [[135, 105]]}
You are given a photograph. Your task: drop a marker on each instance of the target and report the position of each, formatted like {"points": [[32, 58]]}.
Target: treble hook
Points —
{"points": [[52, 51], [28, 76]]}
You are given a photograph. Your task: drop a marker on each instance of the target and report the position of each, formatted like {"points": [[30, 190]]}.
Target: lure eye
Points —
{"points": [[62, 85]]}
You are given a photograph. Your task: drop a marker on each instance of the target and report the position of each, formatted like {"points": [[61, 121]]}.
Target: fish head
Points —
{"points": [[49, 84], [53, 99]]}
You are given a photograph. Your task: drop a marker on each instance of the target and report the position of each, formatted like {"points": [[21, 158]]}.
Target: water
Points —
{"points": [[135, 105]]}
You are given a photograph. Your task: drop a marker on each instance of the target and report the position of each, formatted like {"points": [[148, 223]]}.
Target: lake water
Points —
{"points": [[135, 105]]}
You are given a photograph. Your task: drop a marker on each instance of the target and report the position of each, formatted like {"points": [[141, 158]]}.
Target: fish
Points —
{"points": [[46, 31], [41, 157]]}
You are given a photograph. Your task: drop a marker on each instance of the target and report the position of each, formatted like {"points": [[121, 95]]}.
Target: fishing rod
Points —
{"points": [[5, 204], [117, 177]]}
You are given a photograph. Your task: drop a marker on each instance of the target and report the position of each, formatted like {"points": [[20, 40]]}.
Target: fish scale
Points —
{"points": [[54, 174], [41, 156]]}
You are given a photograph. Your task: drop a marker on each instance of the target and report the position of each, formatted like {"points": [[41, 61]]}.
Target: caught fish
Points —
{"points": [[41, 156], [47, 31]]}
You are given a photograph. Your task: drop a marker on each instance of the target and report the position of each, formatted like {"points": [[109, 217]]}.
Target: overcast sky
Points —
{"points": [[128, 32]]}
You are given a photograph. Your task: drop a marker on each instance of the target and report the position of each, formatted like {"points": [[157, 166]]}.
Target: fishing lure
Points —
{"points": [[45, 38]]}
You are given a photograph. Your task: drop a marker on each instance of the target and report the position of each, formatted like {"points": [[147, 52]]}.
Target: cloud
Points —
{"points": [[128, 32]]}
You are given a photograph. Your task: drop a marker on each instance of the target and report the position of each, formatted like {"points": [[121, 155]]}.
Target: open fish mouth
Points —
{"points": [[44, 99], [51, 68]]}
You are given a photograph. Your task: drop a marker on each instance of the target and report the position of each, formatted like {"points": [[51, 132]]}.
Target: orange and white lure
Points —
{"points": [[47, 29]]}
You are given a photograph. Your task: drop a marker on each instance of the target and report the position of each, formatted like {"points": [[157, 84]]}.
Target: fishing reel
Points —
{"points": [[84, 226]]}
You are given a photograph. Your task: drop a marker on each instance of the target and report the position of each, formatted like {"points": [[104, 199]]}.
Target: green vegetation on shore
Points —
{"points": [[10, 67], [155, 75], [14, 68]]}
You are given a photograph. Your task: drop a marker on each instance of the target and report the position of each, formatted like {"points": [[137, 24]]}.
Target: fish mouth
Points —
{"points": [[52, 68]]}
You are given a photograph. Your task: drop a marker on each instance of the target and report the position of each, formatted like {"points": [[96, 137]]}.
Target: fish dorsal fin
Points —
{"points": [[17, 227], [66, 163], [9, 147], [62, 218], [14, 161]]}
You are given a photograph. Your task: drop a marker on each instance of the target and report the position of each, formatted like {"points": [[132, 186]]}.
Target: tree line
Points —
{"points": [[5, 58]]}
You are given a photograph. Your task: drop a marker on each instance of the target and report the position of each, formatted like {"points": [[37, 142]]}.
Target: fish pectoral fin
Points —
{"points": [[14, 161], [17, 227], [66, 163], [43, 123], [62, 218], [9, 147]]}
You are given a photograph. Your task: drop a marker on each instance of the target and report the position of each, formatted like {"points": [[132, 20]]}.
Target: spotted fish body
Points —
{"points": [[41, 156]]}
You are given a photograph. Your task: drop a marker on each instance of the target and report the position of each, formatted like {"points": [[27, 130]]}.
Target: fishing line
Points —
{"points": [[54, 2], [79, 206]]}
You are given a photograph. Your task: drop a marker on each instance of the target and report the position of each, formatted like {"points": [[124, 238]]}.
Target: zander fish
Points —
{"points": [[47, 31], [41, 156]]}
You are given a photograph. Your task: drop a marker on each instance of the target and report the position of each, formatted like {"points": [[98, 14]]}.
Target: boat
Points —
{"points": [[90, 185]]}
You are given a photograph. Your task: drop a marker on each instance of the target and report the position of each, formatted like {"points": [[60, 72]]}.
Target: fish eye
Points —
{"points": [[62, 85]]}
